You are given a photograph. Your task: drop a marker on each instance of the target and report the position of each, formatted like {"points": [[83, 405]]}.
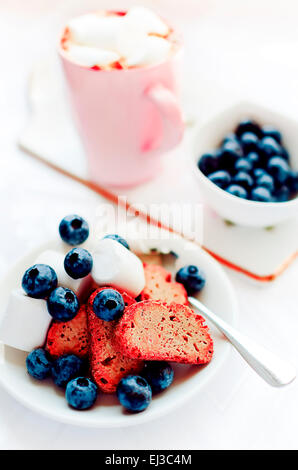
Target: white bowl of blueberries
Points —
{"points": [[246, 162]]}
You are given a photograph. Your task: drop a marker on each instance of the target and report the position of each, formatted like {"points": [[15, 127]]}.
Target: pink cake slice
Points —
{"points": [[69, 337], [108, 365], [156, 331], [159, 286]]}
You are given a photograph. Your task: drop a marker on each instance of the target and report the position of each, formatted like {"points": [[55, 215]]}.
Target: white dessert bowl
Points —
{"points": [[46, 399], [234, 209]]}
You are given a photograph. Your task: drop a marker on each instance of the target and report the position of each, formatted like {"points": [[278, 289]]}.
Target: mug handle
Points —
{"points": [[171, 116]]}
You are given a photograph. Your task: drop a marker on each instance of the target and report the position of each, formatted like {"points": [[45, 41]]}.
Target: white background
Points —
{"points": [[249, 48]]}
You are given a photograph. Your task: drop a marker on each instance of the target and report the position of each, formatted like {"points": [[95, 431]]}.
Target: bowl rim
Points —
{"points": [[220, 191]]}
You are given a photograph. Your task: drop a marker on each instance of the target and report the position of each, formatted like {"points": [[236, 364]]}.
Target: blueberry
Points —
{"points": [[243, 179], [261, 194], [229, 154], [237, 190], [293, 181], [159, 375], [81, 393], [220, 178], [66, 368], [257, 172], [192, 278], [285, 154], [38, 364], [78, 263], [233, 145], [63, 304], [208, 163], [266, 181], [279, 169], [248, 125], [134, 393], [269, 131], [249, 142], [73, 229], [243, 164], [254, 158], [39, 280], [118, 239], [282, 194], [108, 305], [268, 147], [229, 137]]}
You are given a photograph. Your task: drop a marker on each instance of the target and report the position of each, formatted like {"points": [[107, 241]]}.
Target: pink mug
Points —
{"points": [[127, 118]]}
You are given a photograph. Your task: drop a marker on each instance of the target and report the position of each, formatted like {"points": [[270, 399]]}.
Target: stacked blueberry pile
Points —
{"points": [[252, 163]]}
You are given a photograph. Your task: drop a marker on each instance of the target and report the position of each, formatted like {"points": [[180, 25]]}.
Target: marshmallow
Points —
{"points": [[95, 30], [91, 56], [145, 20], [55, 259], [151, 49], [25, 322], [114, 265]]}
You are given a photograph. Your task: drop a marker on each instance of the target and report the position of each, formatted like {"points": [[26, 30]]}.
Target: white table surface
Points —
{"points": [[236, 410]]}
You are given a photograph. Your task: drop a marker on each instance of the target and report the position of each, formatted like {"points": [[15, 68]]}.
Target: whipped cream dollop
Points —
{"points": [[114, 265], [25, 322], [137, 38]]}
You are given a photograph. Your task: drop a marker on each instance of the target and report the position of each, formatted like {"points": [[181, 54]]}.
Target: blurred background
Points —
{"points": [[234, 49]]}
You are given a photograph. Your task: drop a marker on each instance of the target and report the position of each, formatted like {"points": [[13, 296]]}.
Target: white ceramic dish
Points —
{"points": [[235, 209], [45, 398]]}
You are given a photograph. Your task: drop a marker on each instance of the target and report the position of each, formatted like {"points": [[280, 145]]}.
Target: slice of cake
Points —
{"points": [[69, 337], [159, 286], [108, 365], [156, 331]]}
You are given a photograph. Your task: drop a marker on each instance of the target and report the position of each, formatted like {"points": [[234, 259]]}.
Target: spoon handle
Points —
{"points": [[271, 368]]}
